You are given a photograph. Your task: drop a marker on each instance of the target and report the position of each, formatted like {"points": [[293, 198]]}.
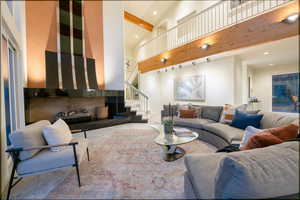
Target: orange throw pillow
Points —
{"points": [[285, 132], [187, 113], [260, 140]]}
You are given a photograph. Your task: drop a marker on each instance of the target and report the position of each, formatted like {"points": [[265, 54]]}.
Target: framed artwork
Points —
{"points": [[190, 88], [285, 93]]}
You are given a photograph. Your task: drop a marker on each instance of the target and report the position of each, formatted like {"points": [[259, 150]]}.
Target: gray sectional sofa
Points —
{"points": [[265, 173], [218, 134]]}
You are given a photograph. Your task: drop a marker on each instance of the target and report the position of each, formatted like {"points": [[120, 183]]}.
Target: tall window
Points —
{"points": [[285, 89], [10, 5], [8, 69]]}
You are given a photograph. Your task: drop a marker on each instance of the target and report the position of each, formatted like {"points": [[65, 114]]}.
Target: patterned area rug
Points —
{"points": [[127, 164]]}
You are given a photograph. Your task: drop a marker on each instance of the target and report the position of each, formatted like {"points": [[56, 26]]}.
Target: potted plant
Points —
{"points": [[169, 123]]}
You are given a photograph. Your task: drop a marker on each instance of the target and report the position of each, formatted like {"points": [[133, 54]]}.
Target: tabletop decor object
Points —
{"points": [[168, 122]]}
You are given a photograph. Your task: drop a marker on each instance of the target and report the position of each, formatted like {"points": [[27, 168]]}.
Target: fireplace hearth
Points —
{"points": [[74, 106]]}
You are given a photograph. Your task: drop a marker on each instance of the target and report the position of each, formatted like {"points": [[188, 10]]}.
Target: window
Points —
{"points": [[8, 64], [285, 93], [10, 6]]}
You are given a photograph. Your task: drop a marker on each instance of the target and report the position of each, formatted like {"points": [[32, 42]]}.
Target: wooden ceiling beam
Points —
{"points": [[138, 21]]}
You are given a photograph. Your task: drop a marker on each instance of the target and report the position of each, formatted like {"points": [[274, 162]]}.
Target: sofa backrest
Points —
{"points": [[207, 112], [274, 119], [259, 173]]}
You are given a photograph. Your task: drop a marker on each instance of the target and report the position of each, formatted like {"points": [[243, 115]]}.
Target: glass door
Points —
{"points": [[8, 70]]}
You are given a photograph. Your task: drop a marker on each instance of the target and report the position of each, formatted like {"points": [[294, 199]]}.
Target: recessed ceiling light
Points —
{"points": [[155, 12], [292, 18], [271, 64], [205, 46], [136, 36], [266, 53]]}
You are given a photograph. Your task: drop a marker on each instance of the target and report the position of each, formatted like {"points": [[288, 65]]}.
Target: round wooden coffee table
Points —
{"points": [[169, 143]]}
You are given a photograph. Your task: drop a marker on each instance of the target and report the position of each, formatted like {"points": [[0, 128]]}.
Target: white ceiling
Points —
{"points": [[143, 10], [281, 52]]}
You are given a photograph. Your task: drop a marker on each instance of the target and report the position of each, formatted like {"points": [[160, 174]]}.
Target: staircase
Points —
{"points": [[136, 103]]}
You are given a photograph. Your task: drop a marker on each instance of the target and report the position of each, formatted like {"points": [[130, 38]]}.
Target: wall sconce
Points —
{"points": [[205, 46], [291, 19], [163, 60]]}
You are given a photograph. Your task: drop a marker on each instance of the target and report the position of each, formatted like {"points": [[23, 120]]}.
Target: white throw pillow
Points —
{"points": [[57, 133], [229, 111], [249, 131]]}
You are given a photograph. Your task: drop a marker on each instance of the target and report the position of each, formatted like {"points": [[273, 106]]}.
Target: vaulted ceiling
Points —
{"points": [[150, 11]]}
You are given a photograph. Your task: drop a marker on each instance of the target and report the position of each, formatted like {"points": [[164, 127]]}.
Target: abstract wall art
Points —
{"points": [[190, 88]]}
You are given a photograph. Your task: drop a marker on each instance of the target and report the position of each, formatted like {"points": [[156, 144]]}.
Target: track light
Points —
{"points": [[205, 46], [291, 19], [163, 60]]}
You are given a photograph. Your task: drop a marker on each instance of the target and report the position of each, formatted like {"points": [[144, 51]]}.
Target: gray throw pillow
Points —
{"points": [[29, 136], [260, 173], [211, 112]]}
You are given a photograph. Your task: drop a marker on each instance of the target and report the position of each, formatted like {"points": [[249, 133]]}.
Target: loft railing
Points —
{"points": [[221, 15], [132, 94]]}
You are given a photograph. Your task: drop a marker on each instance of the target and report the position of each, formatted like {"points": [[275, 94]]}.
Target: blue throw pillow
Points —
{"points": [[243, 120]]}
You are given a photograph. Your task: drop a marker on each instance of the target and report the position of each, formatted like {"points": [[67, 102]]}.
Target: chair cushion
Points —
{"points": [[191, 123], [273, 119], [202, 170], [224, 131], [47, 160], [260, 173], [211, 112], [29, 136], [243, 120], [57, 133]]}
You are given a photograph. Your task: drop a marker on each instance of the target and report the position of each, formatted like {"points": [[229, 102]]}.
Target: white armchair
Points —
{"points": [[36, 159]]}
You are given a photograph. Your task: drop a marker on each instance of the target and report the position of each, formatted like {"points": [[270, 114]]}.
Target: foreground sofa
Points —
{"points": [[264, 173], [218, 134]]}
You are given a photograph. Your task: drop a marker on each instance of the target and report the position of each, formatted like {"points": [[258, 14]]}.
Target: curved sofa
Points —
{"points": [[273, 175], [210, 130]]}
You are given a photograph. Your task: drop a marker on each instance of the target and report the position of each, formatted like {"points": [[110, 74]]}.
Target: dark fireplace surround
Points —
{"points": [[80, 105]]}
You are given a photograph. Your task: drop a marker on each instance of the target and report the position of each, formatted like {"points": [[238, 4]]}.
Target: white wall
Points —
{"points": [[113, 45], [220, 81], [262, 82]]}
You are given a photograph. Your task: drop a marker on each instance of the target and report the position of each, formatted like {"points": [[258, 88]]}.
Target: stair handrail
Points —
{"points": [[136, 90], [143, 99]]}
